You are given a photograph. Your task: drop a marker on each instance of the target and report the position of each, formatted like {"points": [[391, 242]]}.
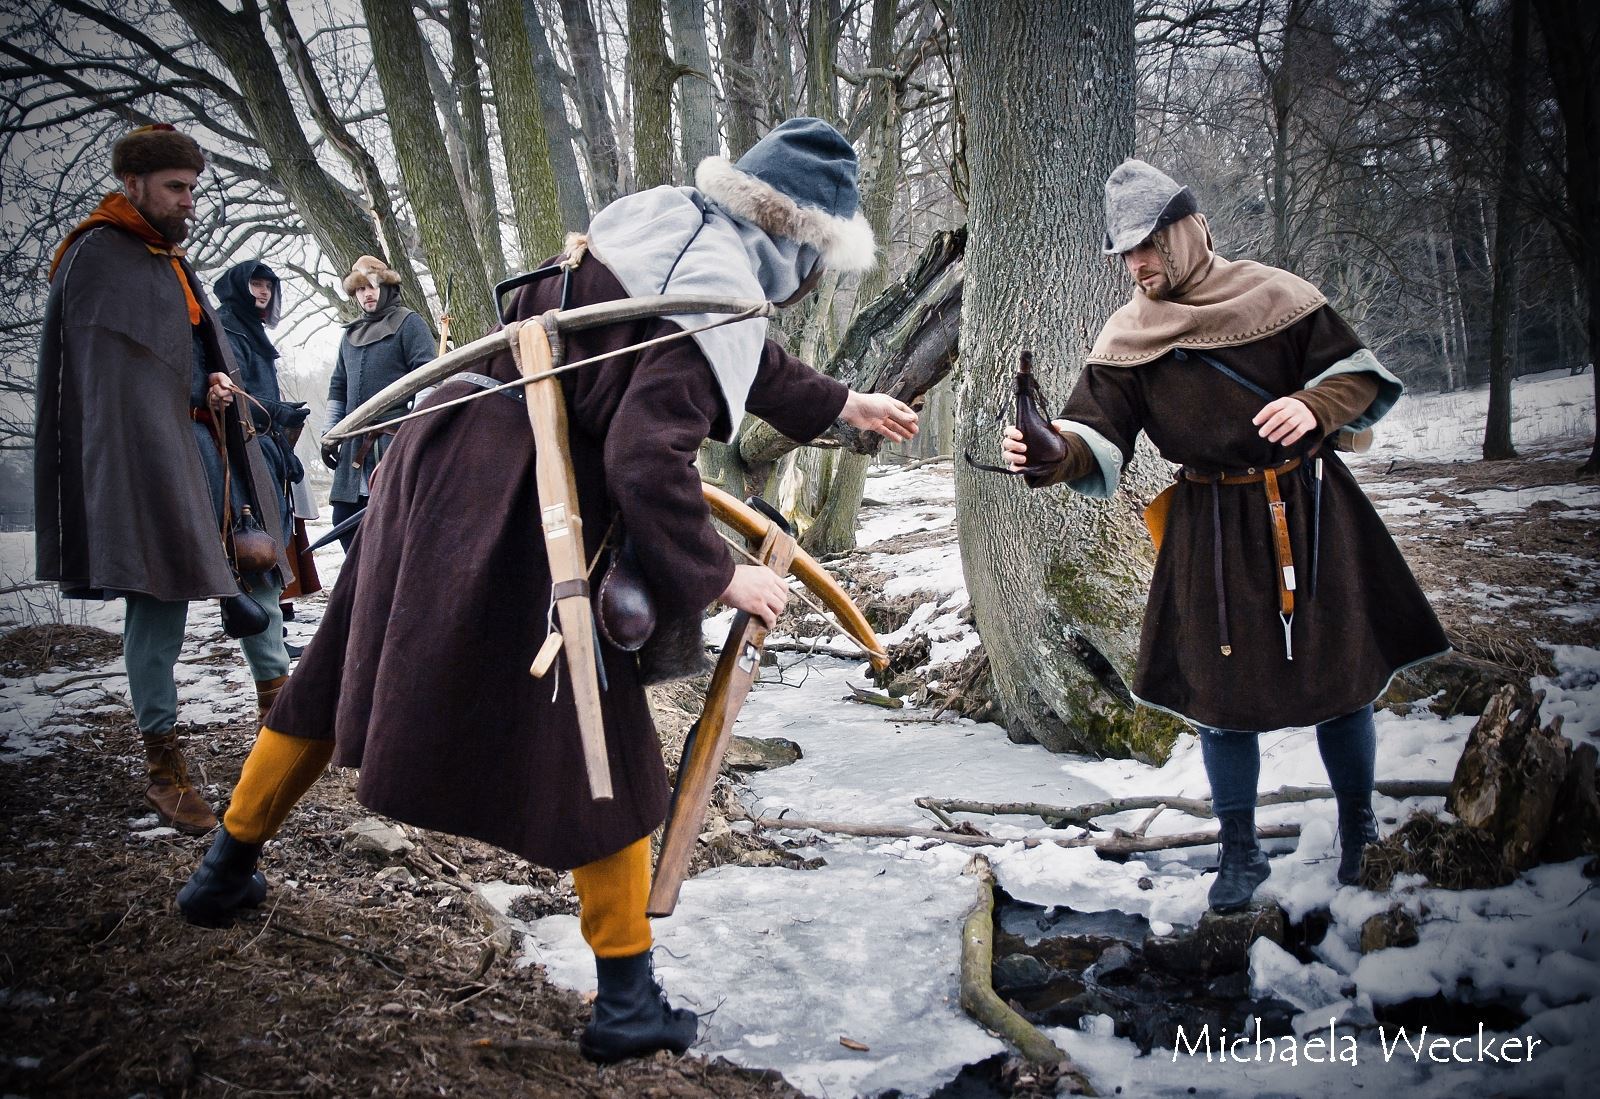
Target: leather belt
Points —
{"points": [[1283, 548]]}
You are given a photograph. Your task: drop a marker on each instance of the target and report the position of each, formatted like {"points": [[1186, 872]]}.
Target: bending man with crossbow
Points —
{"points": [[419, 672]]}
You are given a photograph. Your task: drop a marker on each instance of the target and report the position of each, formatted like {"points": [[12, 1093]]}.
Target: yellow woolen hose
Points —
{"points": [[612, 893], [277, 774]]}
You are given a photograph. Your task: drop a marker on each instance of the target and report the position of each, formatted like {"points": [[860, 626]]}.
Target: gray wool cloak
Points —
{"points": [[120, 490]]}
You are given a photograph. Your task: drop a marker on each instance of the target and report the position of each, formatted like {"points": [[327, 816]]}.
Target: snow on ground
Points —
{"points": [[789, 959], [786, 963], [1448, 427]]}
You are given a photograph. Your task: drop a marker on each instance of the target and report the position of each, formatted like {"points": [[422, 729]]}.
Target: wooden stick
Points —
{"points": [[703, 753], [1119, 843], [563, 541], [978, 998], [1195, 807], [873, 698]]}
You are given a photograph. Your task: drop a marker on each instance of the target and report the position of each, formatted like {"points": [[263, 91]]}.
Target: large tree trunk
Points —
{"points": [[447, 239], [1572, 41], [650, 78], [697, 112], [481, 205], [522, 133], [834, 529], [341, 228], [1507, 228], [739, 87], [557, 130], [589, 83], [363, 163], [1057, 582]]}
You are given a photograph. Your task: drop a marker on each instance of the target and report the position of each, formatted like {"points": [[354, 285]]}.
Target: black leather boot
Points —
{"points": [[1358, 826], [225, 881], [1244, 866], [632, 1017]]}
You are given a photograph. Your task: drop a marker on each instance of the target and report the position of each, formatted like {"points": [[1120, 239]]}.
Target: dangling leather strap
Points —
{"points": [[1279, 512]]}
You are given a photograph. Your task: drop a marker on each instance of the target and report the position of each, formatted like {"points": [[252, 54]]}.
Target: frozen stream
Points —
{"points": [[788, 962]]}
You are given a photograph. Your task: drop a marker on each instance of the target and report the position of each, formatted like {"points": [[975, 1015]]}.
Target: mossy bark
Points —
{"points": [[1057, 581]]}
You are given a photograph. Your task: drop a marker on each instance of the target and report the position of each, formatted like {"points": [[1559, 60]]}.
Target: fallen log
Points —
{"points": [[1195, 807], [1119, 843], [978, 997]]}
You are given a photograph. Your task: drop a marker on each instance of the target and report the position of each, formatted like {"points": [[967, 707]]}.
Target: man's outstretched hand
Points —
{"points": [[894, 420]]}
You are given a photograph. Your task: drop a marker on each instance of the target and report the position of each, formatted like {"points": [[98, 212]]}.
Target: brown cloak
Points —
{"points": [[1365, 618], [419, 669]]}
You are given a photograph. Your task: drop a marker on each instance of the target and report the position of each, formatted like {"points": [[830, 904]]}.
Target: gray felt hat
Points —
{"points": [[1140, 200]]}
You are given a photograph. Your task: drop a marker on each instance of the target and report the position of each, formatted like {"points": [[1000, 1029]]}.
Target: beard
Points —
{"points": [[173, 228]]}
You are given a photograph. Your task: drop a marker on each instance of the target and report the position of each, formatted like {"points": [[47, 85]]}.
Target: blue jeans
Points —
{"points": [[1349, 747]]}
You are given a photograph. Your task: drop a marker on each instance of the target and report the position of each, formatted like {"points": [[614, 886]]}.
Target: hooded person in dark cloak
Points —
{"points": [[419, 672], [1278, 598], [250, 301]]}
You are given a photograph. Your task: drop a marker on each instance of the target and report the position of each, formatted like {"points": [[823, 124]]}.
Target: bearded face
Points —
{"points": [[166, 199]]}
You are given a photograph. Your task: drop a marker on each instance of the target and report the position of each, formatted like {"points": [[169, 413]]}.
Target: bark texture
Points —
{"points": [[1057, 582], [343, 230], [697, 112], [589, 89], [447, 239], [650, 78], [557, 130], [522, 132], [1507, 229]]}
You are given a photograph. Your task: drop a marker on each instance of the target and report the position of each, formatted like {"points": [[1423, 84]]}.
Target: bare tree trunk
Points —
{"points": [[697, 111], [1057, 581], [1507, 228], [835, 527], [822, 47], [589, 80], [328, 121], [739, 87], [573, 203], [1572, 41], [522, 135], [650, 78], [481, 203], [424, 166], [342, 229]]}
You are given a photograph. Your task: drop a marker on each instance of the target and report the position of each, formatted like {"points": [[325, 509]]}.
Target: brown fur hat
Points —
{"points": [[370, 271], [154, 149]]}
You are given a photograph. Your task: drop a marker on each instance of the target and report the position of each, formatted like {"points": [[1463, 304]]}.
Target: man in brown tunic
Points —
{"points": [[1278, 597], [128, 477], [419, 671]]}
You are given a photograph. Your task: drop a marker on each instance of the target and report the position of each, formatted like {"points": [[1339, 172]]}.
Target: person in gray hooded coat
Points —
{"points": [[424, 685]]}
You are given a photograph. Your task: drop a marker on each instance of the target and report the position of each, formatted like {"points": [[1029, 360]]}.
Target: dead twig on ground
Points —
{"points": [[1195, 807], [1118, 844]]}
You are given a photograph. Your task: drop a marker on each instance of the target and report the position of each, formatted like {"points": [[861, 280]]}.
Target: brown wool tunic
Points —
{"points": [[419, 669], [1366, 617]]}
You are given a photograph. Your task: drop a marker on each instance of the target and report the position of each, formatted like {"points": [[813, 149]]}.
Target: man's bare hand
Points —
{"points": [[1284, 421], [220, 390], [1015, 451], [757, 590], [894, 420]]}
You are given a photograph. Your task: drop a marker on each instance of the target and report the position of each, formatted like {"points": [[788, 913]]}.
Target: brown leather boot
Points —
{"points": [[266, 694], [176, 802]]}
